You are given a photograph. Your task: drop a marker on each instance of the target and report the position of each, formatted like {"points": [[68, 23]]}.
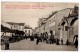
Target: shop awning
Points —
{"points": [[5, 29]]}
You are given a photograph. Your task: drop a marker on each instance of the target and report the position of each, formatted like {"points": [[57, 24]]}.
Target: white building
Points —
{"points": [[28, 31], [41, 21], [50, 24], [17, 26], [8, 27]]}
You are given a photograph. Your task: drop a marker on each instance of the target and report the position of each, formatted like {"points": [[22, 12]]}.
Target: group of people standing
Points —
{"points": [[50, 39], [44, 37]]}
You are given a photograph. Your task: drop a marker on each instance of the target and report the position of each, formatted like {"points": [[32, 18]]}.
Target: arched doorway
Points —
{"points": [[73, 29]]}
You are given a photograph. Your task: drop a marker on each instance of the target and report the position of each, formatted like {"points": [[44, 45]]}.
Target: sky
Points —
{"points": [[30, 12]]}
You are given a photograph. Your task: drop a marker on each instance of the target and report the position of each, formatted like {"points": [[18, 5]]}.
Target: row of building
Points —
{"points": [[63, 24], [9, 28]]}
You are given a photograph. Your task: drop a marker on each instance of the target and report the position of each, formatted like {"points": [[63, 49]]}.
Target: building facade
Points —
{"points": [[69, 26], [28, 31], [42, 21], [63, 24], [9, 28], [58, 17], [17, 26], [50, 24]]}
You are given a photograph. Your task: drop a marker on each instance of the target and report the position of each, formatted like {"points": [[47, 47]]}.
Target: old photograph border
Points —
{"points": [[43, 1]]}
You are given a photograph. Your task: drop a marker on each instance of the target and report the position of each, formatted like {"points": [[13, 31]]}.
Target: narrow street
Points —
{"points": [[26, 44]]}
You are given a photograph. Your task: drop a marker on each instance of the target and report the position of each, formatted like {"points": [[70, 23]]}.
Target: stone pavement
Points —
{"points": [[26, 44]]}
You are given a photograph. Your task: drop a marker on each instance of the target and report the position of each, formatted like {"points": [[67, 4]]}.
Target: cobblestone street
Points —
{"points": [[26, 44]]}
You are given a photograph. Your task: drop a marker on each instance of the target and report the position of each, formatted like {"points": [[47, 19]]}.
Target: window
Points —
{"points": [[26, 31], [66, 28], [11, 27], [29, 31]]}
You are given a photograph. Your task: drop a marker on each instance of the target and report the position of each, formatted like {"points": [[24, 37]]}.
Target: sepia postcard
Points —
{"points": [[47, 26]]}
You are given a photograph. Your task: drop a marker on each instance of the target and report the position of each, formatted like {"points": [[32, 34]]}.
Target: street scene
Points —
{"points": [[31, 45], [39, 26]]}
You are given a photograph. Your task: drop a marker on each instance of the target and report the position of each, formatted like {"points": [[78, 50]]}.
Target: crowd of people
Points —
{"points": [[43, 37], [50, 39]]}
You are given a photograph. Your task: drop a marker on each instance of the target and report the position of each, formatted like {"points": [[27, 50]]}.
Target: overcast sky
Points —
{"points": [[30, 16]]}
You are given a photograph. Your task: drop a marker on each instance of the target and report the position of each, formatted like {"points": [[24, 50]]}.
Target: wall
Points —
{"points": [[74, 30], [50, 25], [58, 18], [42, 30], [27, 31], [15, 27], [65, 34], [21, 28]]}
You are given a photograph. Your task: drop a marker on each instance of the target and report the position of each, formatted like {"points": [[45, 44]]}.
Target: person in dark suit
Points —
{"points": [[6, 44], [37, 41], [58, 41], [76, 42], [62, 41]]}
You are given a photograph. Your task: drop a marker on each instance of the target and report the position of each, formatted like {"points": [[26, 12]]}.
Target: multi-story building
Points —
{"points": [[50, 24], [53, 21], [41, 25], [58, 17], [21, 26], [41, 21], [69, 26], [17, 26], [28, 31], [9, 28], [58, 24]]}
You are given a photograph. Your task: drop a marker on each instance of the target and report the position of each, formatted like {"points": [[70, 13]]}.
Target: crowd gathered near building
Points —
{"points": [[12, 32], [60, 27]]}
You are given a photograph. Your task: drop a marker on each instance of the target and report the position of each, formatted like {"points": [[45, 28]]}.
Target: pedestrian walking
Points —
{"points": [[67, 43], [61, 41], [46, 37], [51, 39], [41, 37], [76, 43], [6, 44], [38, 39], [57, 41]]}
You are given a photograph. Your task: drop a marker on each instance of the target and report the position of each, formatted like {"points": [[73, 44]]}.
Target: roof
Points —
{"points": [[42, 18], [53, 13], [13, 23], [27, 27], [21, 24]]}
